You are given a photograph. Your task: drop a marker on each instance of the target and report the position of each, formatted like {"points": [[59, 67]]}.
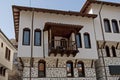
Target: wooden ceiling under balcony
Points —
{"points": [[64, 30]]}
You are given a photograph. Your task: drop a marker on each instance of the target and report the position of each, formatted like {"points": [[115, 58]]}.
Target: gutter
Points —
{"points": [[31, 58], [103, 38]]}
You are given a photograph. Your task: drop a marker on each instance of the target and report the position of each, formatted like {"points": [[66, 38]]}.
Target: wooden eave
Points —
{"points": [[60, 29], [89, 2]]}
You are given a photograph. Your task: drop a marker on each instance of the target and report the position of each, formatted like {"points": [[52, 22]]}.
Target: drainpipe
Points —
{"points": [[43, 45], [103, 38], [31, 58]]}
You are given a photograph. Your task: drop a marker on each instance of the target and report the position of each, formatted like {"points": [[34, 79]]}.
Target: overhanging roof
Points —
{"points": [[60, 29], [89, 2], [17, 9]]}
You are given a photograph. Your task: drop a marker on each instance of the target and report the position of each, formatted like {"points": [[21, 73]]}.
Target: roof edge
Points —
{"points": [[88, 2]]}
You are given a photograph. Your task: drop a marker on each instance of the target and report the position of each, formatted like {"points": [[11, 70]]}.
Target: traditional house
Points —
{"points": [[107, 30], [6, 56], [55, 44]]}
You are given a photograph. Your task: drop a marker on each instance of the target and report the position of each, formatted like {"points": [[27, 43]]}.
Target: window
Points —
{"points": [[41, 68], [26, 36], [115, 26], [107, 51], [113, 51], [80, 67], [114, 69], [63, 43], [1, 45], [78, 40], [87, 40], [2, 71], [69, 66], [107, 25], [7, 54], [1, 68], [37, 37]]}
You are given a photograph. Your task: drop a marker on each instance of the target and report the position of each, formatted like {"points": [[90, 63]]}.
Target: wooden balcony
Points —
{"points": [[62, 47]]}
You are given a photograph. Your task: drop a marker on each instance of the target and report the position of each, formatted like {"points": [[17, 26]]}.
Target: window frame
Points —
{"points": [[23, 42], [37, 30], [113, 51], [83, 70], [108, 26], [80, 40], [107, 49], [72, 69], [7, 54], [44, 71], [88, 40], [116, 27]]}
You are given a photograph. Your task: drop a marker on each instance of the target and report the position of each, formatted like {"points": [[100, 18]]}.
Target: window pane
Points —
{"points": [[115, 26], [80, 67], [78, 40], [37, 38], [26, 37], [107, 25], [107, 51], [114, 69], [69, 69], [87, 41], [41, 69], [113, 51]]}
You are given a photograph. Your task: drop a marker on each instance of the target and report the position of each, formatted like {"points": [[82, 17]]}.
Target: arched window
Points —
{"points": [[80, 67], [37, 37], [87, 40], [107, 51], [41, 68], [115, 26], [78, 40], [107, 25], [113, 51], [26, 36], [69, 66]]}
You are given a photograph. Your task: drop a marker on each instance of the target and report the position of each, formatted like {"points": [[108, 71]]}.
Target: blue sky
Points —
{"points": [[6, 17]]}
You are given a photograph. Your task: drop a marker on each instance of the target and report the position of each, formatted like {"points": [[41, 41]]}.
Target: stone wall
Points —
{"points": [[57, 70], [103, 63]]}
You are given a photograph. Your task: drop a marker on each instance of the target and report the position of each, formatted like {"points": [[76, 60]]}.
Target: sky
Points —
{"points": [[6, 16]]}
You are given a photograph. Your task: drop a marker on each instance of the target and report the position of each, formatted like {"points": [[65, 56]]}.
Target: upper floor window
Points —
{"points": [[107, 25], [107, 51], [41, 68], [37, 37], [115, 26], [78, 40], [26, 36], [69, 66], [113, 51], [2, 45], [7, 54], [87, 40], [80, 67]]}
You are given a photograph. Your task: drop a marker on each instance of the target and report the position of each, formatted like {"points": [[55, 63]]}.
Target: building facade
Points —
{"points": [[6, 56], [60, 45]]}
